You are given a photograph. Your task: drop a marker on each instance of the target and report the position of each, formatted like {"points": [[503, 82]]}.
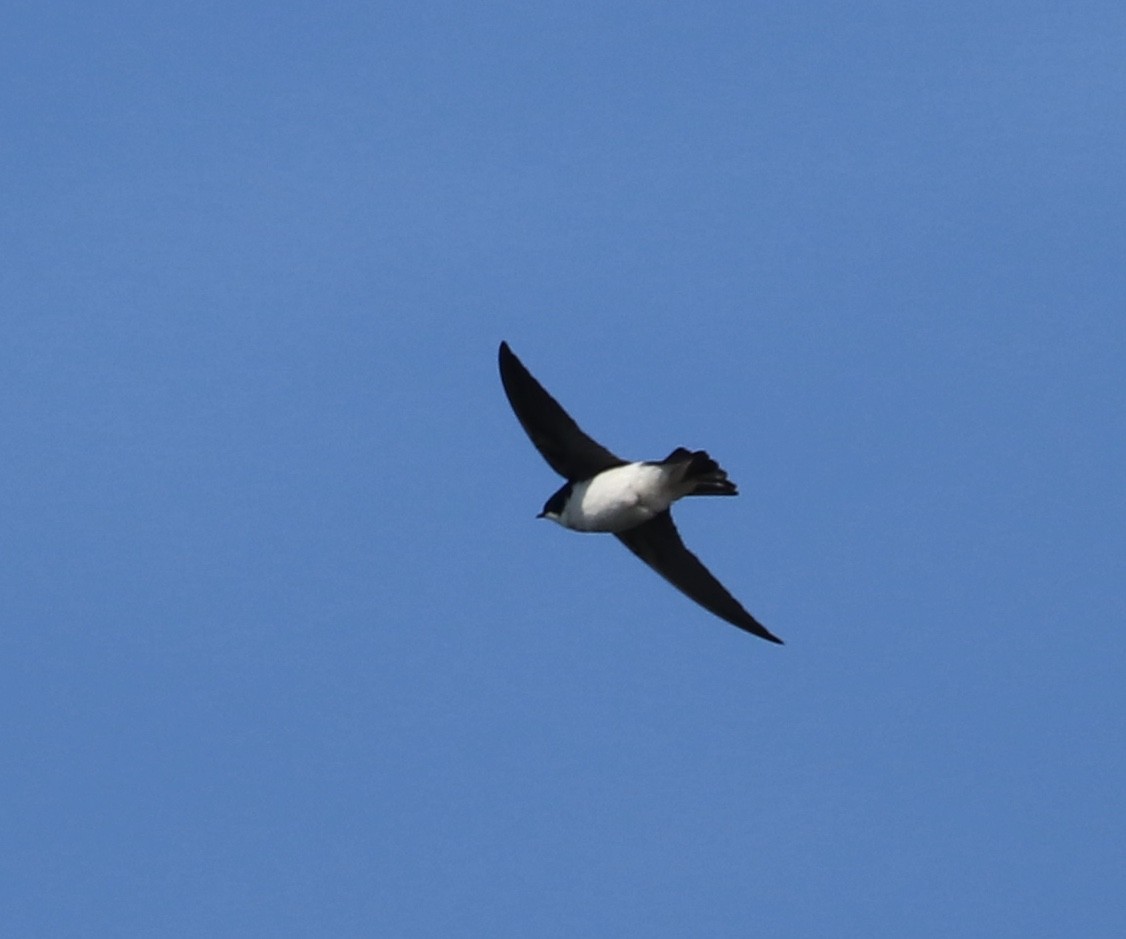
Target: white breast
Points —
{"points": [[618, 499]]}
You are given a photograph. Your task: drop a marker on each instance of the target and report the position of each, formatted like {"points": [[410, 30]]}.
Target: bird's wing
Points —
{"points": [[568, 451], [658, 544]]}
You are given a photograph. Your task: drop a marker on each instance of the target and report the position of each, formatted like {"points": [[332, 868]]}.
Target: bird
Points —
{"points": [[631, 500]]}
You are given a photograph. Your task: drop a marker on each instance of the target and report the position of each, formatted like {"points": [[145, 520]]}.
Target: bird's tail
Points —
{"points": [[702, 476]]}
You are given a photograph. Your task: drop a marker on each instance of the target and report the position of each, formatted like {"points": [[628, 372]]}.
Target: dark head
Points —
{"points": [[553, 507]]}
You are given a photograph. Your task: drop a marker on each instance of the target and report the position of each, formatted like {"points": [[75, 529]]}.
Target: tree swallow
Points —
{"points": [[630, 500]]}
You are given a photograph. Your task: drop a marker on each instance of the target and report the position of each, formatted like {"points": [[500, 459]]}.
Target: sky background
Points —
{"points": [[284, 651]]}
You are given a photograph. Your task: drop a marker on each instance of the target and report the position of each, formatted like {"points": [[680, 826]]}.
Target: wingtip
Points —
{"points": [[504, 355], [763, 633], [755, 628], [510, 366]]}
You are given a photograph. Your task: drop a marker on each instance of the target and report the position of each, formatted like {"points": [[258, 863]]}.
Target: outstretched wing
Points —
{"points": [[568, 451], [658, 544]]}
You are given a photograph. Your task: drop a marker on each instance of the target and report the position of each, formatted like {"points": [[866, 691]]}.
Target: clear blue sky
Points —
{"points": [[284, 652]]}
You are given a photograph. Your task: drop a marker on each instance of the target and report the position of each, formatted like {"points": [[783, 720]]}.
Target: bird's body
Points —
{"points": [[617, 499], [605, 493]]}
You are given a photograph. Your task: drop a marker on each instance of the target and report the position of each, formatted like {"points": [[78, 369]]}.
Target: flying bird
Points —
{"points": [[604, 493]]}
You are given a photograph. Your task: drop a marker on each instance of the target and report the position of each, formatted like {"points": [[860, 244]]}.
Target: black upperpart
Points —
{"points": [[560, 441], [554, 505]]}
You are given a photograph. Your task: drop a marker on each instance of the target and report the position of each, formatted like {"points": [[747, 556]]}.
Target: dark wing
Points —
{"points": [[658, 544], [568, 451]]}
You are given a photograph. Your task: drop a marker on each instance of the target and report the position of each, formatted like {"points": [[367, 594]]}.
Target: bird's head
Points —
{"points": [[553, 507]]}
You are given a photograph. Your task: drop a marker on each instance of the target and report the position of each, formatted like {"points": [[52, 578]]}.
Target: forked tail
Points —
{"points": [[702, 474]]}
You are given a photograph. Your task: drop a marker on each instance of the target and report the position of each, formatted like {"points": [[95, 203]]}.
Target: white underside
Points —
{"points": [[620, 498]]}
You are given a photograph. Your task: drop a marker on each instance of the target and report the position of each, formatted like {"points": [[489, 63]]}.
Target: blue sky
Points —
{"points": [[284, 650]]}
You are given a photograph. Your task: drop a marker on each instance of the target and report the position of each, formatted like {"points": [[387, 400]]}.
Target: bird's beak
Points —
{"points": [[542, 515]]}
